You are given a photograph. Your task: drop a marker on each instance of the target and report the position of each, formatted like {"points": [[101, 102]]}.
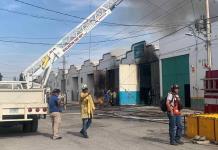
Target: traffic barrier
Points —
{"points": [[191, 122], [204, 125], [207, 128], [216, 129]]}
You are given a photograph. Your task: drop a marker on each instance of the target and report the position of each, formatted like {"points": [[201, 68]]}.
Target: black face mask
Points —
{"points": [[85, 90], [173, 91]]}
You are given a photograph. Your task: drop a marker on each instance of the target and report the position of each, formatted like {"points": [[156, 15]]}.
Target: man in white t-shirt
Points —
{"points": [[174, 114]]}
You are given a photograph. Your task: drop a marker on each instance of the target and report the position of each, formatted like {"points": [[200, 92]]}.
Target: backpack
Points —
{"points": [[163, 105]]}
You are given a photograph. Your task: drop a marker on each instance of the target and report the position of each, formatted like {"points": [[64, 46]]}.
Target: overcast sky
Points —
{"points": [[15, 57]]}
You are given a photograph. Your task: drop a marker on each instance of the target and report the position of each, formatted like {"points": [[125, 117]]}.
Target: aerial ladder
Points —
{"points": [[22, 102], [42, 66]]}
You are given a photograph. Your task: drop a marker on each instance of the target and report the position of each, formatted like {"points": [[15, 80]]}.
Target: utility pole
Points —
{"points": [[63, 75], [63, 81], [208, 35]]}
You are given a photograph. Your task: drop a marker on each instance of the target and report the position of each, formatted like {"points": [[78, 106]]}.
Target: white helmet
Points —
{"points": [[48, 90], [84, 86]]}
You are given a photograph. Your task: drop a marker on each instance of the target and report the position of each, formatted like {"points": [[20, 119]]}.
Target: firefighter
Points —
{"points": [[87, 109]]}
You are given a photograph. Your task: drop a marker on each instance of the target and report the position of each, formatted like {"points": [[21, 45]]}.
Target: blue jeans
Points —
{"points": [[175, 128], [86, 124]]}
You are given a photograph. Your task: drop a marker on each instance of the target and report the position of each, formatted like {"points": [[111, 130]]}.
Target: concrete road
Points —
{"points": [[105, 134]]}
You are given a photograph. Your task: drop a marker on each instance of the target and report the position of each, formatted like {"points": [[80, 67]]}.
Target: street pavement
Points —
{"points": [[108, 132]]}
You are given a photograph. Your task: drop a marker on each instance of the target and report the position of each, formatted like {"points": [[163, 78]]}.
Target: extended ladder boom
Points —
{"points": [[44, 63]]}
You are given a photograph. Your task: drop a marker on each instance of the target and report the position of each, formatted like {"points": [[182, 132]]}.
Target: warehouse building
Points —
{"points": [[139, 75], [182, 61], [145, 74], [107, 75]]}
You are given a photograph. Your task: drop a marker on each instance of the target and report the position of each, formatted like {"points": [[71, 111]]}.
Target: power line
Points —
{"points": [[153, 21], [44, 38], [38, 38], [168, 12], [78, 43], [167, 35], [187, 47], [71, 21], [37, 16], [82, 18], [214, 17], [103, 41], [193, 9], [171, 33], [176, 50], [124, 30], [81, 43]]}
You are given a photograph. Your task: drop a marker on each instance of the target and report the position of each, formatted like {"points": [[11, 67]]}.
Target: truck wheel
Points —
{"points": [[34, 124], [27, 127], [31, 126]]}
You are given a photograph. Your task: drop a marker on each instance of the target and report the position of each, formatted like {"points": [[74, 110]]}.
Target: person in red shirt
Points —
{"points": [[174, 114]]}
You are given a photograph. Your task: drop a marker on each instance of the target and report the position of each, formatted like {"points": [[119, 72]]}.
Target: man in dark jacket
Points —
{"points": [[55, 113]]}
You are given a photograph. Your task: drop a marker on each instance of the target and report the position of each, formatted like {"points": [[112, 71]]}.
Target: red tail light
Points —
{"points": [[30, 109], [44, 109], [37, 109]]}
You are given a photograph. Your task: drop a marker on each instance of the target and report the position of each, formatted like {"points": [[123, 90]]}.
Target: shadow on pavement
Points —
{"points": [[156, 139], [22, 134], [75, 134], [7, 132]]}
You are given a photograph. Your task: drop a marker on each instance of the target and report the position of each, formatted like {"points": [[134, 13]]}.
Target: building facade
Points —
{"points": [[72, 84], [145, 74], [86, 76], [182, 61]]}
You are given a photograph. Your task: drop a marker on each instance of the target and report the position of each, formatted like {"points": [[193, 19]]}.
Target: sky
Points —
{"points": [[15, 57]]}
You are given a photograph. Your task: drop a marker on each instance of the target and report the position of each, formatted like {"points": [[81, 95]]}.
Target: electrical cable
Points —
{"points": [[103, 41], [193, 9], [187, 47], [37, 16], [82, 18], [141, 18], [169, 11], [100, 41], [71, 21]]}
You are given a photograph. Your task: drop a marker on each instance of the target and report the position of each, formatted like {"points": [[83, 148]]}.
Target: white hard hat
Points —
{"points": [[84, 86], [48, 90]]}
